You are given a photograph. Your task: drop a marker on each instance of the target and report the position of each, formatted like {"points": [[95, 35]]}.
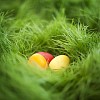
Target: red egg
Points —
{"points": [[47, 56]]}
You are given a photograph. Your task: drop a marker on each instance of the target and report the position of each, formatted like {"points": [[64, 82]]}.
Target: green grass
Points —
{"points": [[50, 27]]}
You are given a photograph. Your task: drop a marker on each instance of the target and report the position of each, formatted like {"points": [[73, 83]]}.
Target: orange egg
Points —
{"points": [[59, 62], [38, 60]]}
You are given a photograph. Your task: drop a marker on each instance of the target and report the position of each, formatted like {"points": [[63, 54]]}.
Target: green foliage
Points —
{"points": [[4, 40], [85, 10], [48, 25]]}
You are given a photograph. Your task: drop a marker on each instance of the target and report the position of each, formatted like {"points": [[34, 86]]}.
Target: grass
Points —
{"points": [[23, 34]]}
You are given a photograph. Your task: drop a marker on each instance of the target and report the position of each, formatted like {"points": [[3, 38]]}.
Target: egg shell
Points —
{"points": [[59, 62], [47, 56], [38, 60]]}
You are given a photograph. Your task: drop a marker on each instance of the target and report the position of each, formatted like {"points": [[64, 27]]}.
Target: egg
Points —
{"points": [[59, 62], [47, 56], [38, 60]]}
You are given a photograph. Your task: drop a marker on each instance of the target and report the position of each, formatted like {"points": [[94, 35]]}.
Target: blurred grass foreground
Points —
{"points": [[70, 27]]}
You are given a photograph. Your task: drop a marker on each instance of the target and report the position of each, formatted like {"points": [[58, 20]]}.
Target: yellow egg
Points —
{"points": [[38, 60], [59, 62]]}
